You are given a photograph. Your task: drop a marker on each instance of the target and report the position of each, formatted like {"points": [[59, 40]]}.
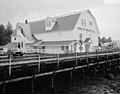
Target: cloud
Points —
{"points": [[111, 1]]}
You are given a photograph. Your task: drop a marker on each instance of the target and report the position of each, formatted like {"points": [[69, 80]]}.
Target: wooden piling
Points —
{"points": [[52, 81], [104, 72], [4, 84], [32, 83], [71, 77], [83, 74], [53, 78], [95, 70]]}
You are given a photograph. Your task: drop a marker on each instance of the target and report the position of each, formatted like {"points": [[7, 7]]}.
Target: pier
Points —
{"points": [[33, 66]]}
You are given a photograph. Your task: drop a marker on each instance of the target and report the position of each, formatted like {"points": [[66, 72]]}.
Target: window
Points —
{"points": [[66, 48], [27, 47], [18, 45], [22, 44], [43, 47], [80, 36], [90, 23], [62, 47], [83, 22], [22, 32]]}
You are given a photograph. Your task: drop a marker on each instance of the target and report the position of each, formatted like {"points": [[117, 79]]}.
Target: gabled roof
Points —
{"points": [[56, 43], [25, 29], [87, 40], [14, 33], [66, 22], [37, 42], [25, 32]]}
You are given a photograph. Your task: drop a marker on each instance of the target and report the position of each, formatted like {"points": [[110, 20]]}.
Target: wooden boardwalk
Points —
{"points": [[80, 61], [36, 65]]}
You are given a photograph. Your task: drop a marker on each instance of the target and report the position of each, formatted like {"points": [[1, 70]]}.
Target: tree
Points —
{"points": [[9, 29], [2, 29], [109, 39], [103, 40], [5, 33]]}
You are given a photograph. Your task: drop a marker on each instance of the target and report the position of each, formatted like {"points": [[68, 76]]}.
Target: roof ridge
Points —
{"points": [[59, 16]]}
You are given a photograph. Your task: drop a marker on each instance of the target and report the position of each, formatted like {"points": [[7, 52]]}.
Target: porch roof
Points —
{"points": [[11, 45], [87, 40], [56, 43]]}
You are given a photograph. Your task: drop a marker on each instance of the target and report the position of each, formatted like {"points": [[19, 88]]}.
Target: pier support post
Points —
{"points": [[109, 67], [83, 73], [95, 71], [32, 84], [4, 84], [71, 78], [53, 78], [104, 72]]}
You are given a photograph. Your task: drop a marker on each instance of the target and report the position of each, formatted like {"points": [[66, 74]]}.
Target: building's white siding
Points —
{"points": [[57, 49], [88, 31]]}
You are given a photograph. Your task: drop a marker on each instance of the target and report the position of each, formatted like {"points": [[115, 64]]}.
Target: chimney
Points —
{"points": [[26, 21]]}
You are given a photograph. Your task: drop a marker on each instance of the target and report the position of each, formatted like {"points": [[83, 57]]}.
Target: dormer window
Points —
{"points": [[22, 32], [49, 23]]}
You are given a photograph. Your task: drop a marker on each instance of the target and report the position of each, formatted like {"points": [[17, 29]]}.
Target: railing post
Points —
{"points": [[76, 59], [98, 59], [58, 61], [107, 55], [10, 66], [87, 61], [39, 64]]}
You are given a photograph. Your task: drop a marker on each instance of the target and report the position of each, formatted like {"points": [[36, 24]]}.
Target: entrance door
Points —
{"points": [[87, 46], [75, 48]]}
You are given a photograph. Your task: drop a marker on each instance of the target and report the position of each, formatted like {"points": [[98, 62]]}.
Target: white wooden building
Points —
{"points": [[73, 32]]}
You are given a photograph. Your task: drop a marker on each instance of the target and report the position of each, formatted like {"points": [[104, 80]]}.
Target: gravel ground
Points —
{"points": [[96, 86]]}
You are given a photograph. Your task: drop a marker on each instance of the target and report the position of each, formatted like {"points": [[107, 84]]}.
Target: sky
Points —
{"points": [[106, 12]]}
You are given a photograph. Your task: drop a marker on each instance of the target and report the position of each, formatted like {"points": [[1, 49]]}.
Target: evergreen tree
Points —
{"points": [[2, 29], [5, 34], [109, 39]]}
